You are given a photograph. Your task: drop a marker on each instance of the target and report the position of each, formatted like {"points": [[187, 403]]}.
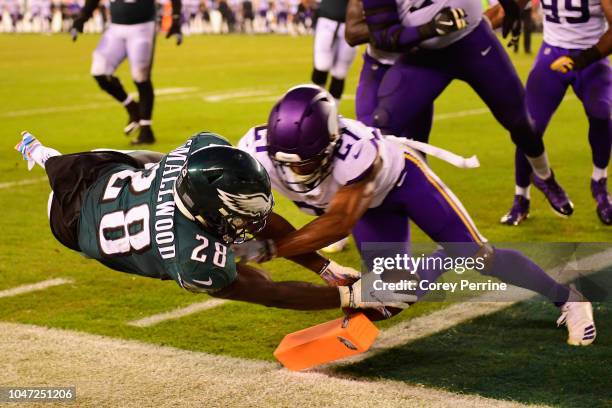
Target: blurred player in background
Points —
{"points": [[131, 34], [446, 40], [357, 180], [332, 54], [41, 15], [376, 63], [577, 40], [173, 217]]}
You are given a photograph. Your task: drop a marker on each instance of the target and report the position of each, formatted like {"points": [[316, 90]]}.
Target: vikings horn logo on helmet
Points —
{"points": [[247, 204]]}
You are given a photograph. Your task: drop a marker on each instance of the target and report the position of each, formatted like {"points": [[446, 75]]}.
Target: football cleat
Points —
{"points": [[518, 213], [33, 151], [577, 315], [26, 146], [556, 196], [599, 189], [144, 137], [134, 117], [337, 246]]}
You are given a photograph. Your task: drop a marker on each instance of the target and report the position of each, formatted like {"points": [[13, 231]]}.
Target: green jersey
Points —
{"points": [[132, 11], [129, 222], [333, 9]]}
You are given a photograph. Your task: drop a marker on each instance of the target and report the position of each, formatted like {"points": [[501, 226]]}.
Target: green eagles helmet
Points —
{"points": [[226, 190]]}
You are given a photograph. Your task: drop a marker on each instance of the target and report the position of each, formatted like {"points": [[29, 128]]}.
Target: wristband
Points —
{"points": [[325, 266]]}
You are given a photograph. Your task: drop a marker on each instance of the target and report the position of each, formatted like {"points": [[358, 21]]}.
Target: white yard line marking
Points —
{"points": [[175, 94], [9, 184], [174, 91], [177, 313], [58, 109], [19, 290], [168, 91], [235, 95], [127, 373], [425, 326], [167, 94]]}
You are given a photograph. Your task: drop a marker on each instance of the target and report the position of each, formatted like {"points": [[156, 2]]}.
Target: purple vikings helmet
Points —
{"points": [[302, 137]]}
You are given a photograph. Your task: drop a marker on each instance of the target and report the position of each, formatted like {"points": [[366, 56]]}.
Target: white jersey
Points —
{"points": [[573, 24], [417, 12], [359, 146]]}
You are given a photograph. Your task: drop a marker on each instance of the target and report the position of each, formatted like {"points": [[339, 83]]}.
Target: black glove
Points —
{"points": [[512, 22], [77, 26], [175, 29]]}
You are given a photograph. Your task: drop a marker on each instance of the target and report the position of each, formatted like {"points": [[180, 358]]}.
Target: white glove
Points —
{"points": [[337, 275], [351, 296], [255, 251]]}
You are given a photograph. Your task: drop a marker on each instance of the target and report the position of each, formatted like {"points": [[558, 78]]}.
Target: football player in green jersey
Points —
{"points": [[174, 216], [131, 35]]}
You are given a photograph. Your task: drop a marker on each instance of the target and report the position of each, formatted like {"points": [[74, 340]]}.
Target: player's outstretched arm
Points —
{"points": [[255, 286], [584, 58], [346, 208], [388, 34], [356, 29], [85, 14], [331, 272]]}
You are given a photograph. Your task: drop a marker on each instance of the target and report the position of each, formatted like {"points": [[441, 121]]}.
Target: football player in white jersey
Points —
{"points": [[577, 38], [332, 54], [131, 35], [358, 181]]}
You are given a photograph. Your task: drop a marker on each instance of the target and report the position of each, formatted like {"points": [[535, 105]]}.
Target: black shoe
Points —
{"points": [[144, 137], [134, 117]]}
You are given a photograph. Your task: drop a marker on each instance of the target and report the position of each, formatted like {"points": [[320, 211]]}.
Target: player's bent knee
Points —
{"points": [[141, 74], [100, 66], [486, 254], [382, 119], [340, 69]]}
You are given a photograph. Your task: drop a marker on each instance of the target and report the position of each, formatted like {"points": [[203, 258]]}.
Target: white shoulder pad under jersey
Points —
{"points": [[573, 24]]}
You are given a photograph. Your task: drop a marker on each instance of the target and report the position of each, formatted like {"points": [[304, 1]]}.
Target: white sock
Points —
{"points": [[145, 122], [598, 173], [540, 165], [337, 103], [127, 101], [40, 154], [523, 191]]}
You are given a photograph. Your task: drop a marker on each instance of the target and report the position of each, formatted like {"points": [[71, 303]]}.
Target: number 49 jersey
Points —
{"points": [[129, 222], [573, 24]]}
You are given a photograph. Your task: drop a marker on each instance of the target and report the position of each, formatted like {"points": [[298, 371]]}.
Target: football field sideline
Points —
{"points": [[109, 372]]}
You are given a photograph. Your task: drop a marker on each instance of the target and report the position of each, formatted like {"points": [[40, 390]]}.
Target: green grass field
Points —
{"points": [[229, 83]]}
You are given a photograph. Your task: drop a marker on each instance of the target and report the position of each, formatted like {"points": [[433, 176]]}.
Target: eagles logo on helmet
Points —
{"points": [[226, 190]]}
